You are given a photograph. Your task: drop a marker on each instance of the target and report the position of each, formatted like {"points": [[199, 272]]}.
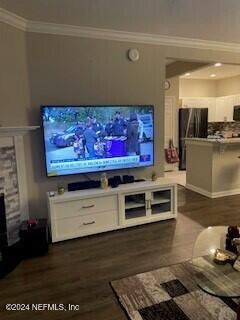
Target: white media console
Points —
{"points": [[80, 213]]}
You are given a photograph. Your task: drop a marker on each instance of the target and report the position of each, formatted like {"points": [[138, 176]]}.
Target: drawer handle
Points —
{"points": [[87, 223], [87, 207]]}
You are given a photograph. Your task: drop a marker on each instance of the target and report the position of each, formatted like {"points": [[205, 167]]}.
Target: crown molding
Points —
{"points": [[13, 19], [114, 35], [135, 37], [16, 131]]}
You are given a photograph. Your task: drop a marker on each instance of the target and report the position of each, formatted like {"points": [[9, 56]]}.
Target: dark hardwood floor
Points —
{"points": [[79, 271]]}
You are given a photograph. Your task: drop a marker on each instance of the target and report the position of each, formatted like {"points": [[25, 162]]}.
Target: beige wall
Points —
{"points": [[228, 87], [65, 70], [73, 70], [14, 90], [197, 88], [209, 88]]}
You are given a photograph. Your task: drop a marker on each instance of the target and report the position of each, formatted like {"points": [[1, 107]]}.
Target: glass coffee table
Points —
{"points": [[219, 280]]}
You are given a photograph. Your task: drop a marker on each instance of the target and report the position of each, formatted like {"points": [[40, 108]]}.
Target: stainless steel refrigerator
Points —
{"points": [[193, 123]]}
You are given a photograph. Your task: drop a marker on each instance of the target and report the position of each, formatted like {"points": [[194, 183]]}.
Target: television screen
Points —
{"points": [[82, 139]]}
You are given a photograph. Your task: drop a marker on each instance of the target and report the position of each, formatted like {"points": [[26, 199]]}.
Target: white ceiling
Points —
{"points": [[210, 20], [222, 72]]}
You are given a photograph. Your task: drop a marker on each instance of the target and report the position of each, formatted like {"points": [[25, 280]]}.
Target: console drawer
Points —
{"points": [[76, 208], [87, 224]]}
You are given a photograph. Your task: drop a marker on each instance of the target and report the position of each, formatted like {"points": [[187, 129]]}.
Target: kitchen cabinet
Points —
{"points": [[224, 109], [201, 102], [219, 108]]}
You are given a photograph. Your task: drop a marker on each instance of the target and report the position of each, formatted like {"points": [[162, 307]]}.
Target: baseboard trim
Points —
{"points": [[212, 195], [226, 193], [199, 190]]}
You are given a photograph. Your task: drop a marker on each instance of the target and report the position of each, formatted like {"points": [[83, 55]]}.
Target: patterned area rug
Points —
{"points": [[170, 293]]}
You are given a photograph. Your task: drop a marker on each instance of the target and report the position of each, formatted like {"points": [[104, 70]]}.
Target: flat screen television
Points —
{"points": [[83, 139]]}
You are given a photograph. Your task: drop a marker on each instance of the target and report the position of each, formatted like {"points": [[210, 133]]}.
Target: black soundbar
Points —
{"points": [[92, 184]]}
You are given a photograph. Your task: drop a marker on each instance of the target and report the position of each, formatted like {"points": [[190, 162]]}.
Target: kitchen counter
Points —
{"points": [[228, 140], [213, 166]]}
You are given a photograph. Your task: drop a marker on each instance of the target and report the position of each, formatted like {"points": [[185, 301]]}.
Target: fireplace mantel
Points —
{"points": [[13, 176], [16, 131]]}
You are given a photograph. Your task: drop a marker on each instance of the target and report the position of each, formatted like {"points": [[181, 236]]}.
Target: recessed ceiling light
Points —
{"points": [[218, 64], [213, 75], [187, 74]]}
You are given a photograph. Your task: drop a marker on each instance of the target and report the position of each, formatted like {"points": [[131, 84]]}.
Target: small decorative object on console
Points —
{"points": [[154, 176], [61, 189], [104, 181]]}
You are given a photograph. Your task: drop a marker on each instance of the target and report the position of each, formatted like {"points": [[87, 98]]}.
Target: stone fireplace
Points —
{"points": [[13, 178]]}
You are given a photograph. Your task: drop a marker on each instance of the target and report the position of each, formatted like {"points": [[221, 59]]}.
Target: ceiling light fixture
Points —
{"points": [[218, 64], [213, 75], [187, 74]]}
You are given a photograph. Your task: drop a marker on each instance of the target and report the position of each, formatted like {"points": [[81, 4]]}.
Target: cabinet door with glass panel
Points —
{"points": [[149, 205], [160, 201], [135, 206]]}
